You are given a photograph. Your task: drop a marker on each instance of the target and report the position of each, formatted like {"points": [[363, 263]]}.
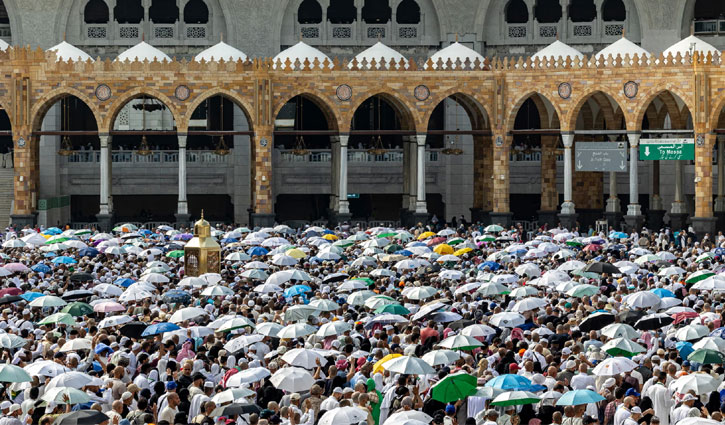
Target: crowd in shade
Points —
{"points": [[475, 325]]}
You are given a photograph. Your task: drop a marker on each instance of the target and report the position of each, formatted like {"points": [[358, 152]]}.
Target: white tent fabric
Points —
{"points": [[142, 52]]}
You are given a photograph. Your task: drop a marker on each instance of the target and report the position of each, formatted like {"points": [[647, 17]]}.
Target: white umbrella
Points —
{"points": [[65, 395], [192, 281], [269, 329], [284, 260], [114, 321], [710, 343], [302, 357], [478, 331], [232, 394], [240, 342], [528, 304], [235, 323], [415, 415], [333, 328], [76, 344], [217, 291], [296, 330], [525, 291], [620, 330], [343, 416], [359, 298], [48, 301], [672, 271], [268, 288], [324, 304], [46, 368], [691, 332], [292, 379], [408, 365], [154, 278], [248, 376], [700, 383], [614, 366], [14, 243], [187, 313], [642, 299], [507, 319], [441, 357], [11, 341], [419, 292], [528, 269], [461, 342], [71, 379]]}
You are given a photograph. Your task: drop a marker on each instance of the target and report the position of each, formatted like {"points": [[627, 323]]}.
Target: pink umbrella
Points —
{"points": [[16, 267], [108, 307], [10, 291]]}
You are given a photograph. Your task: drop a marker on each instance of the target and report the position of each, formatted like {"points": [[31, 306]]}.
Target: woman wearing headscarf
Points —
{"points": [[376, 400]]}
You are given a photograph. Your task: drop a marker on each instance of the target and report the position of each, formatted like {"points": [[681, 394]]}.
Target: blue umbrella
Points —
{"points": [[416, 243], [30, 296], [63, 259], [719, 251], [663, 293], [510, 382], [578, 397], [618, 235], [685, 348], [718, 333], [177, 296], [159, 328], [88, 252], [49, 255], [41, 268], [296, 290], [101, 347], [97, 367], [520, 252], [404, 252], [123, 282], [490, 264], [229, 240], [146, 232], [53, 231], [328, 232], [257, 250]]}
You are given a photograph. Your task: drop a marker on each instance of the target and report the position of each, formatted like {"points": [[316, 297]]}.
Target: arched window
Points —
{"points": [[164, 12], [376, 12], [517, 12], [128, 12], [708, 9], [309, 12], [196, 12], [96, 12], [408, 12], [582, 11], [614, 10], [342, 12], [547, 11]]}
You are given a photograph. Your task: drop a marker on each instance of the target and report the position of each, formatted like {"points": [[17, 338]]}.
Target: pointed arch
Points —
{"points": [[115, 108], [96, 12], [408, 12], [128, 12], [42, 105], [196, 12], [228, 94], [614, 10], [164, 12], [342, 12], [309, 12], [376, 11], [517, 12]]}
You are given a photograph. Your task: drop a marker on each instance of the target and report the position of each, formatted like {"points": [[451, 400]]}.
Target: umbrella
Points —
{"points": [[177, 296], [454, 387], [133, 329], [691, 332], [296, 330], [584, 290], [441, 357], [578, 397], [408, 415], [642, 299], [599, 268], [706, 356], [58, 319], [65, 395], [81, 417], [623, 347], [46, 368], [188, 313], [343, 416], [8, 299], [618, 330], [596, 321], [700, 383], [614, 366], [12, 373], [48, 301], [239, 343], [302, 357], [653, 321], [408, 365], [460, 342], [11, 341], [159, 328], [231, 394], [248, 376], [292, 379], [271, 329], [477, 330], [236, 409], [528, 304], [507, 320], [510, 382], [77, 294], [70, 379], [711, 343], [515, 398], [378, 366], [77, 309]]}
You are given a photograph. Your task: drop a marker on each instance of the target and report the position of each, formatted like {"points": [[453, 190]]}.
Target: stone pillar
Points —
{"points": [[262, 198], [613, 211], [549, 193], [678, 212], [105, 214], [720, 200], [335, 174], [568, 215], [703, 221], [182, 210], [25, 183], [342, 213], [501, 212], [634, 218], [481, 179], [657, 211], [420, 204]]}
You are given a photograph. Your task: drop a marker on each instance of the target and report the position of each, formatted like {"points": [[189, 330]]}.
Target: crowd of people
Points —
{"points": [[472, 325]]}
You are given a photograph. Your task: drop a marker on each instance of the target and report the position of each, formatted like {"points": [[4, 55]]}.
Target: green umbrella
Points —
{"points": [[175, 254], [699, 275], [623, 347], [77, 309], [392, 248], [584, 290], [454, 241], [387, 235], [704, 257], [494, 228], [706, 356], [344, 243], [392, 308], [58, 319], [486, 238], [367, 280], [515, 398], [574, 243], [454, 387], [51, 241], [12, 373], [582, 273]]}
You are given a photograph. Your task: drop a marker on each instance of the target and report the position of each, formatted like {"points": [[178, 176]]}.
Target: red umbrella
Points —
{"points": [[682, 316], [592, 247], [436, 241], [10, 291]]}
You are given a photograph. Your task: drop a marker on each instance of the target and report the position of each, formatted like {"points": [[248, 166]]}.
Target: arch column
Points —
{"points": [[613, 210], [678, 210], [634, 217], [501, 213], [25, 182], [420, 203], [342, 208], [262, 213], [703, 221], [549, 193], [105, 214], [182, 209], [568, 215], [482, 166]]}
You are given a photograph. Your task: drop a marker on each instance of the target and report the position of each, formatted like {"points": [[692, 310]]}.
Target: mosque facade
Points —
{"points": [[383, 111]]}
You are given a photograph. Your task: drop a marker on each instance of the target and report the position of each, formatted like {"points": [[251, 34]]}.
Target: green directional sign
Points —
{"points": [[666, 149]]}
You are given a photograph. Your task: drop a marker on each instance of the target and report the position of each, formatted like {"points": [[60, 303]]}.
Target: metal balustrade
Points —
{"points": [[157, 157], [353, 156]]}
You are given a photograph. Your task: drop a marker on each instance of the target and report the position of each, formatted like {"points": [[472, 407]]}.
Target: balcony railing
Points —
{"points": [[157, 34], [359, 32], [709, 26], [321, 156], [158, 157]]}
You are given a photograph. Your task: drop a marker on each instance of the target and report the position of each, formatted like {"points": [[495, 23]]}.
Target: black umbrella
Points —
{"points": [[335, 277], [600, 268], [77, 295], [653, 321], [81, 417], [596, 321], [81, 277], [132, 329], [630, 317], [236, 409], [10, 299], [460, 324]]}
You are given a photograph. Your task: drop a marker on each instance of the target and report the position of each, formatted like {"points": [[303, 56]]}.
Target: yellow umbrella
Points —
{"points": [[296, 253], [443, 249], [462, 251], [330, 237], [425, 235], [378, 366]]}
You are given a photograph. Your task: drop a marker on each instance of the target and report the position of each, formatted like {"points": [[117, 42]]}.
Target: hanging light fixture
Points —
{"points": [[221, 148], [451, 147], [300, 147], [66, 147], [143, 149], [377, 141]]}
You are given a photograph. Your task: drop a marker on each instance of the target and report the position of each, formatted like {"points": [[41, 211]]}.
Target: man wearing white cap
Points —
{"points": [[332, 401], [681, 412], [13, 415], [661, 398]]}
